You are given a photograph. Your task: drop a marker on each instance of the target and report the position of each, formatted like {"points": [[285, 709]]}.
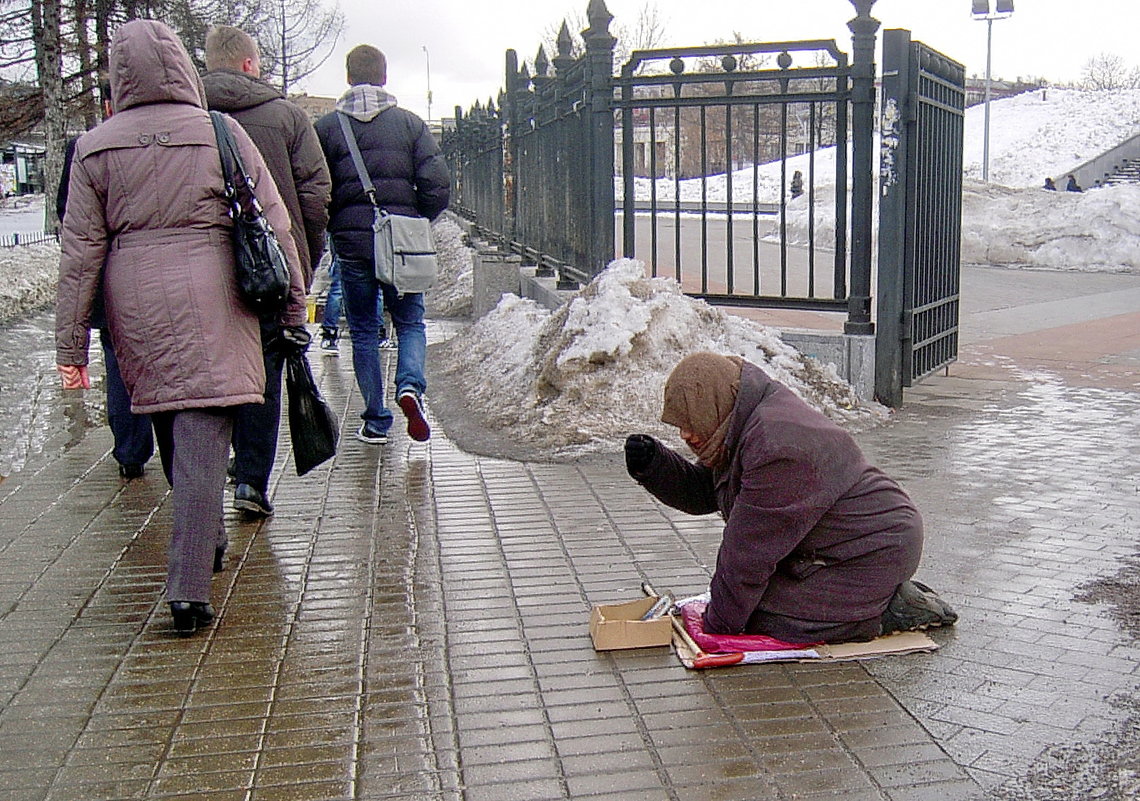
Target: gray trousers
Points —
{"points": [[195, 447]]}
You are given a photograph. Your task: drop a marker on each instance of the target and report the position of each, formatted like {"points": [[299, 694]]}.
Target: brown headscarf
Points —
{"points": [[699, 396]]}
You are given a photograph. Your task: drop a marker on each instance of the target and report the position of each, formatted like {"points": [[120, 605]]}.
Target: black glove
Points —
{"points": [[293, 336], [639, 452]]}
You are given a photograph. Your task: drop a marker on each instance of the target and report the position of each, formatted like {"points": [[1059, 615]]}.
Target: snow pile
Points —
{"points": [[581, 378], [451, 295], [1094, 231], [28, 275]]}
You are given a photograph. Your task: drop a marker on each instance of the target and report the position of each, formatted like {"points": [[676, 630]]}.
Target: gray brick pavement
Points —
{"points": [[412, 624]]}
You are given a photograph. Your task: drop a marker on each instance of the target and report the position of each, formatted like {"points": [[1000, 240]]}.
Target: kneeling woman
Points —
{"points": [[818, 545]]}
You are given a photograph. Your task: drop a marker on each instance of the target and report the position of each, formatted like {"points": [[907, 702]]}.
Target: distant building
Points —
{"points": [[314, 105], [22, 166], [976, 89]]}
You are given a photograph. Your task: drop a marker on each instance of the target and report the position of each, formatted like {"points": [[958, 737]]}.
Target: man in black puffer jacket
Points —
{"points": [[410, 176]]}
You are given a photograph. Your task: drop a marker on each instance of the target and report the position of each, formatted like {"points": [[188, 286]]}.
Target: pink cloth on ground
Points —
{"points": [[693, 617]]}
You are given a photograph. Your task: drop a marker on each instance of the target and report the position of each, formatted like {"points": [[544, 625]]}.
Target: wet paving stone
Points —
{"points": [[411, 624]]}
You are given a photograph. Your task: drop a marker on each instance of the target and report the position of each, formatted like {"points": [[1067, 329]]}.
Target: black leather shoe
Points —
{"points": [[189, 616], [249, 500], [129, 471], [219, 559]]}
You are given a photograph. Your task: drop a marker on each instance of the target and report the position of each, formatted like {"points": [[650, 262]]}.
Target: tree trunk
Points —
{"points": [[88, 77], [49, 69]]}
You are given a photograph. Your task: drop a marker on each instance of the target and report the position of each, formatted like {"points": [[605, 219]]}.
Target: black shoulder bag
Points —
{"points": [[262, 269]]}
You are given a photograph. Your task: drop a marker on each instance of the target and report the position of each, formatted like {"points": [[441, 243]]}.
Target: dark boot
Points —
{"points": [[916, 607]]}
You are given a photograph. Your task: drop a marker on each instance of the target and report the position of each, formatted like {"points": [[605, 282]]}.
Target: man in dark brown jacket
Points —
{"points": [[289, 144], [818, 544]]}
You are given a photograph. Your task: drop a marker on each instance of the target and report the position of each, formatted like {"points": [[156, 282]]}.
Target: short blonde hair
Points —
{"points": [[227, 47]]}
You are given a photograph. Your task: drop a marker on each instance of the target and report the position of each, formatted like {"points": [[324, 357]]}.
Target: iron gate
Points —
{"points": [[735, 170], [920, 214]]}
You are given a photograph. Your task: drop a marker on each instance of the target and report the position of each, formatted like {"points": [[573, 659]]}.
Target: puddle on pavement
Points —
{"points": [[33, 408]]}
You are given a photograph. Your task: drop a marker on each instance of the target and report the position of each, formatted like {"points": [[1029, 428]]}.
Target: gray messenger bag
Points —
{"points": [[404, 250]]}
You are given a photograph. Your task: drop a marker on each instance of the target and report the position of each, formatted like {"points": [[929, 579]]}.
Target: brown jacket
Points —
{"points": [[288, 141], [816, 540], [146, 213]]}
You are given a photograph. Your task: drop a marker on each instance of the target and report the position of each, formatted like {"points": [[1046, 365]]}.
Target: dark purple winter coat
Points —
{"points": [[816, 540]]}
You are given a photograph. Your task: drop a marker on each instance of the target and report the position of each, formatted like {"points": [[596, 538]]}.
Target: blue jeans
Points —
{"points": [[134, 441], [361, 293], [331, 319], [330, 322]]}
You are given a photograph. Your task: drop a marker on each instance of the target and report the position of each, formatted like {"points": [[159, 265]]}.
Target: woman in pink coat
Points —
{"points": [[147, 222]]}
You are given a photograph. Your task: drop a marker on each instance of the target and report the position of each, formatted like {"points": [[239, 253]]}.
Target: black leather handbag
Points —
{"points": [[262, 269]]}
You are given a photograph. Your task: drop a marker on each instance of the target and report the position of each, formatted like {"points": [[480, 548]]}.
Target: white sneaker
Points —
{"points": [[328, 347], [364, 434]]}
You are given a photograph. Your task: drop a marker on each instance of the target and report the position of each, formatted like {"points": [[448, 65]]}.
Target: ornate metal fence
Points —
{"points": [[475, 154], [555, 157], [735, 170], [782, 130]]}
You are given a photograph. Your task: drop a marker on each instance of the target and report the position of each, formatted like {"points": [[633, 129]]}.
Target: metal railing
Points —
{"points": [[728, 111], [34, 238]]}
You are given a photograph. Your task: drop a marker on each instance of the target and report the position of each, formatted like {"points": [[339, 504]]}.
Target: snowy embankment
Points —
{"points": [[580, 378], [28, 275]]}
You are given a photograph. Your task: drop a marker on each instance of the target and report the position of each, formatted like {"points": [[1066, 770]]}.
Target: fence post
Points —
{"points": [[863, 29], [508, 113], [599, 89], [893, 179]]}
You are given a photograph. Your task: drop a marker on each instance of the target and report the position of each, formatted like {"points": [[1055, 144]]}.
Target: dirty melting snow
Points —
{"points": [[580, 378]]}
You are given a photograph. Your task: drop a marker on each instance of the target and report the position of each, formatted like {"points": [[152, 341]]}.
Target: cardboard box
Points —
{"points": [[619, 626]]}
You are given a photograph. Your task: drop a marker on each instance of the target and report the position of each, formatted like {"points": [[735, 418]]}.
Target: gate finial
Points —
{"points": [[598, 15]]}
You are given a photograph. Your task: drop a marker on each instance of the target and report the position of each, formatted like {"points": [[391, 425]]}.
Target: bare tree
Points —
{"points": [[296, 37], [1108, 71], [45, 23]]}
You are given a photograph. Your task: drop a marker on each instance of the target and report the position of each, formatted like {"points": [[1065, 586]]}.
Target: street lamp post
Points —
{"points": [[989, 10], [427, 62]]}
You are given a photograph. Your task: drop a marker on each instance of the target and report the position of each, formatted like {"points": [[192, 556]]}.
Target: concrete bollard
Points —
{"points": [[494, 274]]}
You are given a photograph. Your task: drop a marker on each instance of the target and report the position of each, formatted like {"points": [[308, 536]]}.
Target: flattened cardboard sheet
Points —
{"points": [[904, 642]]}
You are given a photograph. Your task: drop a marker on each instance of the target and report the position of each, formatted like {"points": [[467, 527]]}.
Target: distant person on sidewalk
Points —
{"points": [[404, 163], [1052, 187], [1072, 185], [133, 434], [797, 186], [330, 319], [818, 544], [285, 137], [147, 212]]}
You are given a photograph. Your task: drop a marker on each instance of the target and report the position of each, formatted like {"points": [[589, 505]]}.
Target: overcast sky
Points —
{"points": [[465, 40]]}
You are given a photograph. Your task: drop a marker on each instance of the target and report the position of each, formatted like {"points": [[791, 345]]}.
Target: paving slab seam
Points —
{"points": [[473, 778], [627, 695], [397, 488]]}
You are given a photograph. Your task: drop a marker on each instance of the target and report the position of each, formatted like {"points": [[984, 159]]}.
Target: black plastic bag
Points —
{"points": [[312, 425]]}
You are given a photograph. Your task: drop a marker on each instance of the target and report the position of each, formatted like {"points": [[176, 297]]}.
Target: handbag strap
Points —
{"points": [[225, 153], [358, 160], [232, 162]]}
